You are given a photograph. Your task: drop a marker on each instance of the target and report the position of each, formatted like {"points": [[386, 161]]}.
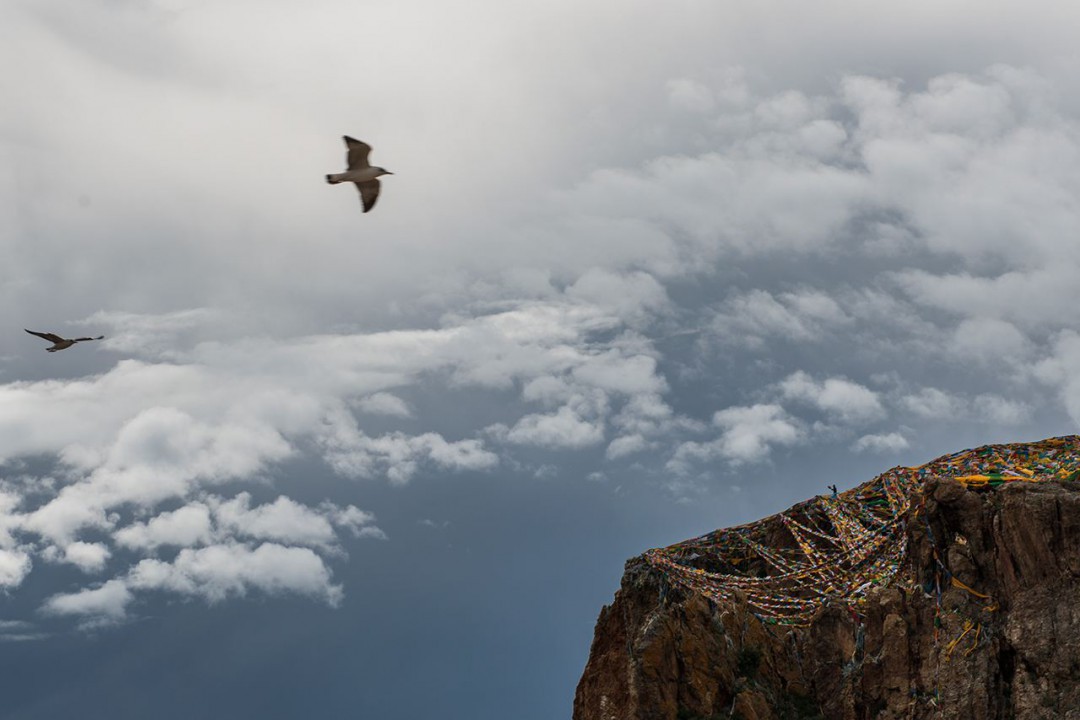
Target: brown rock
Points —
{"points": [[1002, 644]]}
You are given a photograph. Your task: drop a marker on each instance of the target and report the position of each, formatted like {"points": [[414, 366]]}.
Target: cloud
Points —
{"points": [[88, 557], [986, 340], [748, 431], [847, 401], [626, 445], [15, 565], [221, 566], [147, 432], [1031, 298], [286, 521], [690, 95], [935, 404], [105, 604], [932, 403], [212, 573], [353, 453], [176, 427], [616, 371], [383, 403], [756, 316], [217, 572], [925, 226], [1060, 370], [184, 527], [10, 500], [649, 414], [19, 631], [996, 409], [992, 190], [151, 335], [886, 442], [159, 454], [748, 434], [635, 297], [564, 428]]}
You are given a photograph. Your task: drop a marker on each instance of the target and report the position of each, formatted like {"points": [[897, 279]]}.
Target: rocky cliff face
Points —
{"points": [[979, 619]]}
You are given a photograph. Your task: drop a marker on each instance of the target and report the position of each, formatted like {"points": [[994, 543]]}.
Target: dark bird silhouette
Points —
{"points": [[60, 343], [360, 172]]}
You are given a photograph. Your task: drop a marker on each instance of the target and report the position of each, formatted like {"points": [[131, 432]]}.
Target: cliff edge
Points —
{"points": [[951, 590]]}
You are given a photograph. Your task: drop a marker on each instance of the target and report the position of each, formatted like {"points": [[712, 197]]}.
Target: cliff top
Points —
{"points": [[835, 549]]}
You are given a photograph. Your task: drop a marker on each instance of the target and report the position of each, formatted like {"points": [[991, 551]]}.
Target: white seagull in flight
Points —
{"points": [[360, 172]]}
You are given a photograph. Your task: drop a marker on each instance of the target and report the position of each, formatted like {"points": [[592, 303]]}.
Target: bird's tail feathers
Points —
{"points": [[332, 180]]}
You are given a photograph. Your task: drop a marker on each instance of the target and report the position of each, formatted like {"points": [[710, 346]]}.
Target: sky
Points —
{"points": [[640, 272]]}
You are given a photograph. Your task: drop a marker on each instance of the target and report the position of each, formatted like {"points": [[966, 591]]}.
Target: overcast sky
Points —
{"points": [[641, 271]]}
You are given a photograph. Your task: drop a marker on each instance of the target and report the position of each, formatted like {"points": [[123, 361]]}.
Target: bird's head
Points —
{"points": [[382, 171]]}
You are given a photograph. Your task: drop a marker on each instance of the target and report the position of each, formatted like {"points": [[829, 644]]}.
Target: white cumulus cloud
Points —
{"points": [[838, 398], [217, 572], [103, 604], [748, 434], [564, 428], [884, 442], [184, 527]]}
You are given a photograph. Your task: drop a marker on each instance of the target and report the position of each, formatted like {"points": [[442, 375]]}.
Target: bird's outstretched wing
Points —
{"points": [[369, 193], [48, 336], [99, 337], [357, 156]]}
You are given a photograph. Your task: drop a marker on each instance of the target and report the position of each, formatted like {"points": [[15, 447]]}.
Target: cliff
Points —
{"points": [[951, 590]]}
